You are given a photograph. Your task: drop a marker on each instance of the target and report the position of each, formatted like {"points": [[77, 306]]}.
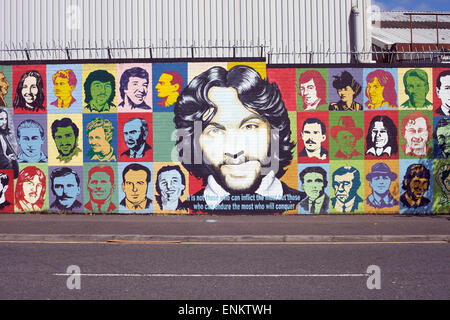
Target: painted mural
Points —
{"points": [[223, 138]]}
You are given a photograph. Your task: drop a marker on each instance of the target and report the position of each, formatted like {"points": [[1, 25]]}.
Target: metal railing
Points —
{"points": [[425, 53]]}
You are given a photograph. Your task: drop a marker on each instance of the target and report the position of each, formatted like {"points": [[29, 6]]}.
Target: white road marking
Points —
{"points": [[174, 275]]}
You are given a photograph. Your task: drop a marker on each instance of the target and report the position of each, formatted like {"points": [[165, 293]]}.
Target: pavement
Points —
{"points": [[220, 228]]}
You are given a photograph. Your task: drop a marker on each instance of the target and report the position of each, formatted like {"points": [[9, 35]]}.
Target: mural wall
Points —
{"points": [[223, 138]]}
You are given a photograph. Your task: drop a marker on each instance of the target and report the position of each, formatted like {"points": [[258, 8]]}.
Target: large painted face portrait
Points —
{"points": [[237, 130], [244, 136]]}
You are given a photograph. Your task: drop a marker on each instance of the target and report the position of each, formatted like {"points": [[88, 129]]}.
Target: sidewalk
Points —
{"points": [[295, 228]]}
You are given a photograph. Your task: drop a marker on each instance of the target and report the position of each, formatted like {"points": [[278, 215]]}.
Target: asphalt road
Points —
{"points": [[224, 271]]}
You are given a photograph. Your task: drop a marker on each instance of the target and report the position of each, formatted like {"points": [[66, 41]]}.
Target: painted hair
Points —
{"points": [[415, 170], [19, 100], [66, 74], [125, 78], [346, 79], [27, 174], [102, 76], [387, 82], [391, 132], [169, 168], [64, 122], [319, 81], [256, 94], [356, 182]]}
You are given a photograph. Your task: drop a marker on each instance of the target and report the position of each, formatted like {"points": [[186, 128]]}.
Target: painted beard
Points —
{"points": [[242, 177], [70, 151]]}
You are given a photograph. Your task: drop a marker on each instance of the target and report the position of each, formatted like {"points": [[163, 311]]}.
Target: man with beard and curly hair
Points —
{"points": [[239, 123]]}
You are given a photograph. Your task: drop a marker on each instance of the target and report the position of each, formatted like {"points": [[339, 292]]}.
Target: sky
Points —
{"points": [[413, 5]]}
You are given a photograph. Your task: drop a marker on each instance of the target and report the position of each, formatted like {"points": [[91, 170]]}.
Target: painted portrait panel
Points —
{"points": [[415, 134], [168, 81], [345, 89], [6, 190], [8, 142], [99, 88], [136, 187], [441, 137], [346, 186], [241, 158], [313, 137], [100, 137], [313, 181], [6, 87], [415, 90], [64, 88], [381, 135], [135, 137], [416, 186], [441, 91], [65, 139], [441, 201], [66, 189], [311, 87], [381, 186], [346, 134], [100, 188], [30, 89], [134, 92], [171, 188], [380, 89], [31, 135], [31, 188]]}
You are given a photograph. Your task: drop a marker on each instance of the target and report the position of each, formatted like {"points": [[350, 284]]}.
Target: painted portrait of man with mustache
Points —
{"points": [[235, 119]]}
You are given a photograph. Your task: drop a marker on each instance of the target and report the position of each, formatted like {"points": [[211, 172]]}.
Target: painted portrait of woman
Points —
{"points": [[380, 90], [30, 92]]}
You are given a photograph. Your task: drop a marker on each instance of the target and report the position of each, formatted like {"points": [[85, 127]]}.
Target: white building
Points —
{"points": [[286, 31]]}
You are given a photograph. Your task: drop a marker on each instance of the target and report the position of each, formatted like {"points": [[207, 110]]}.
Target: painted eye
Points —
{"points": [[215, 131], [251, 126]]}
